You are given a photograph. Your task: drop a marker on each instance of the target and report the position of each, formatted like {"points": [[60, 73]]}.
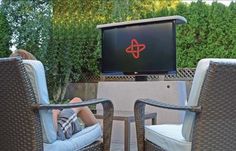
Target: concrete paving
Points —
{"points": [[120, 147]]}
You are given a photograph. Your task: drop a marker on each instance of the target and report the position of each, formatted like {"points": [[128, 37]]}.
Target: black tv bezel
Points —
{"points": [[142, 73]]}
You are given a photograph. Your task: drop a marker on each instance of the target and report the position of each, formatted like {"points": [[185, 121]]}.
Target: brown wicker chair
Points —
{"points": [[21, 126], [210, 119]]}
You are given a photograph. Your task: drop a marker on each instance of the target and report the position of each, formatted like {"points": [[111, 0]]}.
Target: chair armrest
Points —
{"points": [[139, 112], [70, 105], [157, 103], [107, 114]]}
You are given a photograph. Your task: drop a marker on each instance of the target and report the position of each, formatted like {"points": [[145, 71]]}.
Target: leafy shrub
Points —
{"points": [[63, 34], [209, 33], [5, 36]]}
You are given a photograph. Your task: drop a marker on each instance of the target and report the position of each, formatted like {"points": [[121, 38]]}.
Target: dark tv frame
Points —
{"points": [[169, 19]]}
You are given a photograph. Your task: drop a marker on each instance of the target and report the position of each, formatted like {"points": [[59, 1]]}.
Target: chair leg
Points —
{"points": [[139, 110]]}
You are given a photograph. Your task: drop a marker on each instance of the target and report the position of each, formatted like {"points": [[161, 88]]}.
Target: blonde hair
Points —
{"points": [[23, 54]]}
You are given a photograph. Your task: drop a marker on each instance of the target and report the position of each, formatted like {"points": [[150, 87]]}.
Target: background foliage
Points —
{"points": [[5, 35], [63, 34], [210, 32], [30, 23]]}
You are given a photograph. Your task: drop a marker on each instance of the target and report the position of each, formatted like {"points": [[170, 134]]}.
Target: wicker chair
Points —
{"points": [[210, 118], [22, 127]]}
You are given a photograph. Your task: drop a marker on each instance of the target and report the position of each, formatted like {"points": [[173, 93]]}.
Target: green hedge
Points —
{"points": [[63, 34], [5, 35], [210, 32]]}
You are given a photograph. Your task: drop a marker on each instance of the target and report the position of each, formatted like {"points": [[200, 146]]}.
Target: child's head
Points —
{"points": [[23, 54]]}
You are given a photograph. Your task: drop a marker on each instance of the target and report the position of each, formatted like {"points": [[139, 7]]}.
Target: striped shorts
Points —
{"points": [[67, 124]]}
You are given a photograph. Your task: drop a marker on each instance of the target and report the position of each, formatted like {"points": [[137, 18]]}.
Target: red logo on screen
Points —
{"points": [[135, 48]]}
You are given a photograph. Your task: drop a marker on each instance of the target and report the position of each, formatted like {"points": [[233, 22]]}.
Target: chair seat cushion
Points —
{"points": [[168, 137], [77, 141]]}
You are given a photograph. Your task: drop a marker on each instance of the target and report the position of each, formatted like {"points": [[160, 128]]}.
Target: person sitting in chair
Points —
{"points": [[65, 121]]}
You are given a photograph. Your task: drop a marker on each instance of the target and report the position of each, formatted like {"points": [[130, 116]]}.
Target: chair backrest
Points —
{"points": [[20, 127], [198, 79], [37, 78], [213, 88]]}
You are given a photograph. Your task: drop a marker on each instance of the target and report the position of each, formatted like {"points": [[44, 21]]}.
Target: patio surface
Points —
{"points": [[120, 147]]}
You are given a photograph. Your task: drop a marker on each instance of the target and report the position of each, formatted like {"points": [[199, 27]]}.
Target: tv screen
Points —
{"points": [[139, 49]]}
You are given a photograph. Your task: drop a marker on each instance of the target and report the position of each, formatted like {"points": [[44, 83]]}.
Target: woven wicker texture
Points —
{"points": [[151, 147], [97, 146], [20, 126], [215, 123]]}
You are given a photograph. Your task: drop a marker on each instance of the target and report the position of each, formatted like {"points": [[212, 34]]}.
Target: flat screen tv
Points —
{"points": [[139, 49]]}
